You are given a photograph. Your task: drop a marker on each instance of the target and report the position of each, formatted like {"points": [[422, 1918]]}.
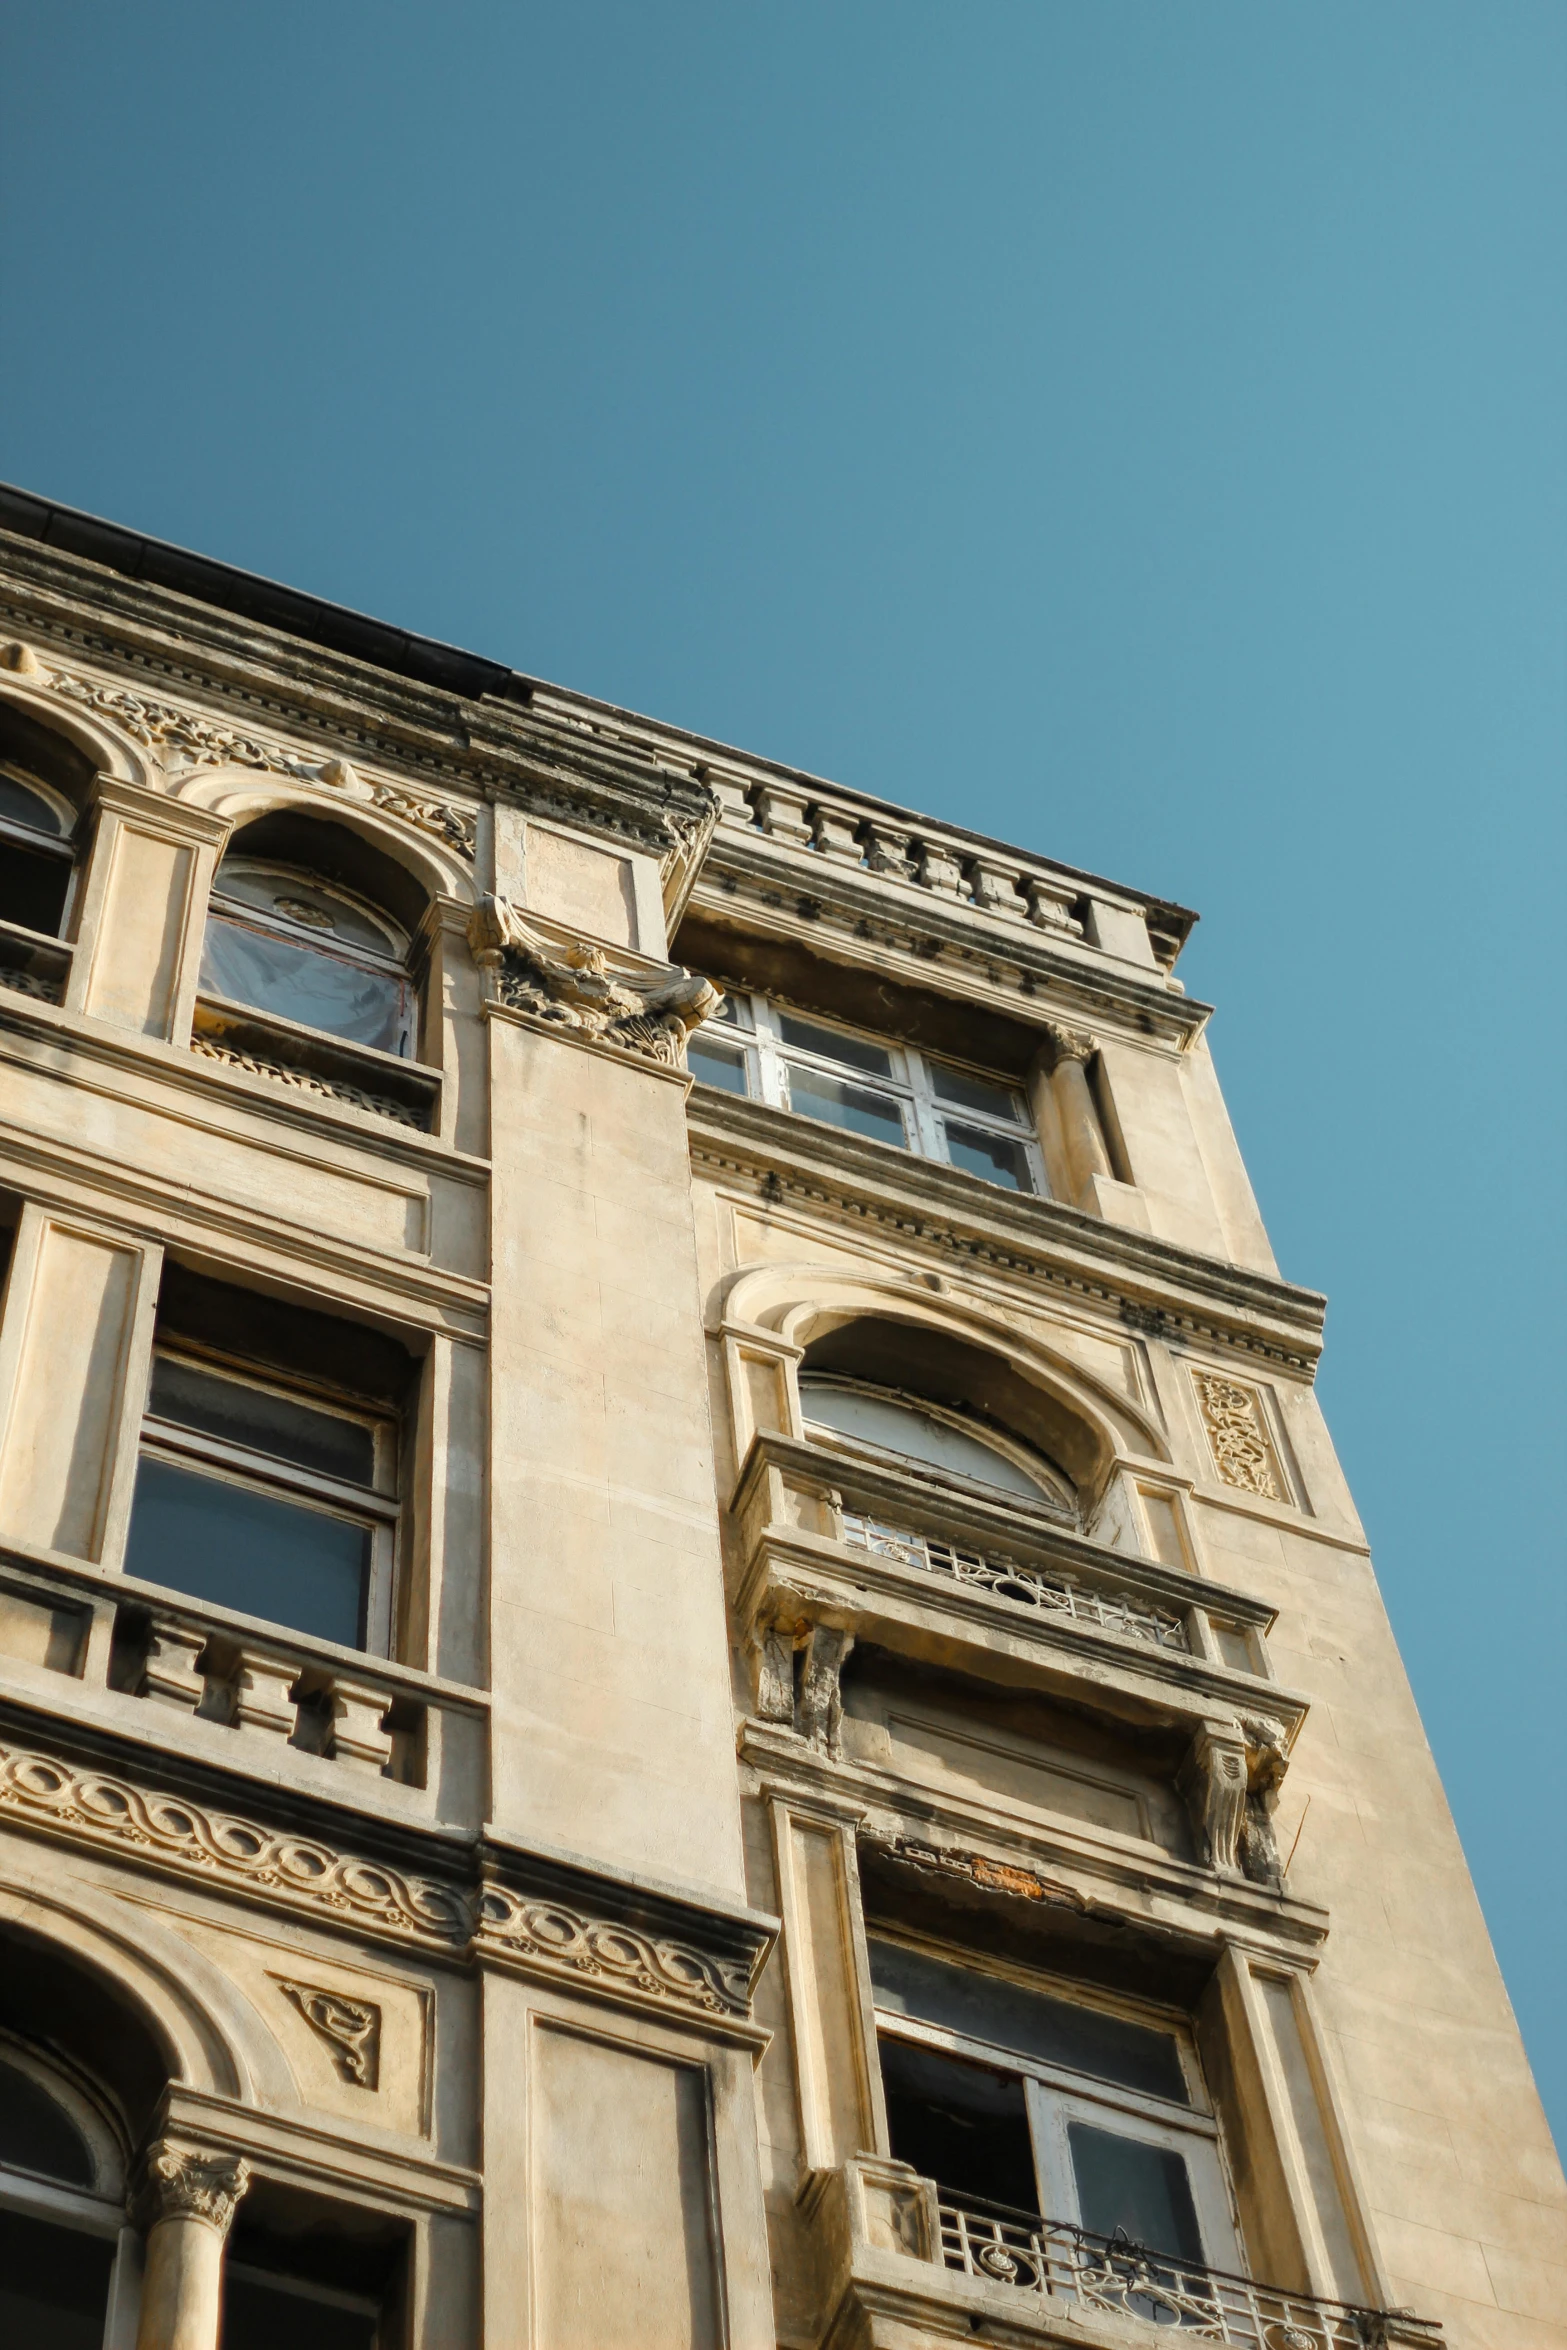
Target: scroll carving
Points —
{"points": [[351, 2029], [187, 2183], [1238, 1436], [1213, 1780], [559, 1940], [576, 987]]}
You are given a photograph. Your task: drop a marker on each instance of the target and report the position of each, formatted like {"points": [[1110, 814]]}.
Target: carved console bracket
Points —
{"points": [[1231, 1779], [649, 1011], [796, 1671]]}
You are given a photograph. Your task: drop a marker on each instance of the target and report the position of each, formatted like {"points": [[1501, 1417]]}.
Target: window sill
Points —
{"points": [[282, 1052]]}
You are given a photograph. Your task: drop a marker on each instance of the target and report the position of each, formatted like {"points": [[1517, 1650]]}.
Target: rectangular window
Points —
{"points": [[1044, 2102], [889, 1093], [266, 1499]]}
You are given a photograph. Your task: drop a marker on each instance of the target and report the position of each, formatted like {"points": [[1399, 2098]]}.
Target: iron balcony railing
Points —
{"points": [[1109, 2276], [1056, 1593]]}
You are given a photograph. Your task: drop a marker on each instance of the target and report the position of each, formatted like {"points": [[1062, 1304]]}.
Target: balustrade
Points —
{"points": [[1057, 1593], [1112, 2277]]}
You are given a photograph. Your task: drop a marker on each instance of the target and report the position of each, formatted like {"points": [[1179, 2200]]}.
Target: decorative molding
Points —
{"points": [[180, 2182], [648, 1012], [557, 1940], [306, 1081], [236, 1854], [1238, 1436], [733, 1139], [167, 731], [45, 991], [978, 1868], [351, 2028]]}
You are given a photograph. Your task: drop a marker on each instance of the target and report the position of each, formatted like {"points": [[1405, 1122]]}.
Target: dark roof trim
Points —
{"points": [[262, 600]]}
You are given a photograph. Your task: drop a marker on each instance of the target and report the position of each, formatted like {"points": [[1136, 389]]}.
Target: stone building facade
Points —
{"points": [[678, 1635]]}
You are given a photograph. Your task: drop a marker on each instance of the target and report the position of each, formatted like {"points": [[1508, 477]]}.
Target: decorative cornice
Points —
{"points": [[793, 1161], [56, 1797], [549, 1938], [850, 915], [497, 1906]]}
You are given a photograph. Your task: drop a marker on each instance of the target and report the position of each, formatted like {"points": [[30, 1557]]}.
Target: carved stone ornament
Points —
{"points": [[188, 2183], [351, 2029], [575, 986], [562, 1941], [1238, 1435], [90, 1806], [1213, 1780], [1068, 1044], [180, 737]]}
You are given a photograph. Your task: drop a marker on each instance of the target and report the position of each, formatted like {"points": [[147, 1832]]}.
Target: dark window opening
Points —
{"points": [[961, 2124], [1142, 2191], [36, 2135], [54, 2285], [33, 887]]}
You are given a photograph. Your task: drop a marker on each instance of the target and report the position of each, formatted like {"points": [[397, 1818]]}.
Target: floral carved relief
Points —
{"points": [[180, 736], [1238, 1436], [548, 1935]]}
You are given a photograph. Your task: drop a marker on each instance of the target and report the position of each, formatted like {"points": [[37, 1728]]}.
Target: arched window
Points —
{"points": [[885, 1420], [293, 936], [62, 2196], [43, 783]]}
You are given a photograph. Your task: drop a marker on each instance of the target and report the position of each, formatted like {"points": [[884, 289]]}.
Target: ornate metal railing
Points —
{"points": [[1112, 2277], [1056, 1593]]}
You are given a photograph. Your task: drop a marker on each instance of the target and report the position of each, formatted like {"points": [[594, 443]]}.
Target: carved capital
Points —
{"points": [[1068, 1044], [577, 986], [181, 2182]]}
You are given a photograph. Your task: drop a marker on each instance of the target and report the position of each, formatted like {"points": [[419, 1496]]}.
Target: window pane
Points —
{"points": [[273, 1424], [54, 2285], [1054, 2031], [241, 1549], [899, 1427], [734, 1010], [994, 1156], [853, 1052], [712, 1063], [1126, 2183], [301, 983], [259, 2316], [962, 2125], [829, 1099], [971, 1093], [290, 897], [36, 2135], [21, 806]]}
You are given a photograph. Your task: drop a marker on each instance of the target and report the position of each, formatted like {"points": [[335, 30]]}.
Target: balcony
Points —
{"points": [[234, 1692], [904, 2263], [996, 1590]]}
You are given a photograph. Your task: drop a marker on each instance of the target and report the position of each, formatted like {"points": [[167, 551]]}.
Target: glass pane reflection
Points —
{"points": [[835, 1103], [299, 983]]}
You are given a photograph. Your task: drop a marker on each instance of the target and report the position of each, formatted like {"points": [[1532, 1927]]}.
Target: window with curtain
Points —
{"points": [[284, 941]]}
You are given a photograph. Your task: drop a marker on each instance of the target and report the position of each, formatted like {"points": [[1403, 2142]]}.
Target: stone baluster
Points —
{"points": [[734, 804], [886, 849], [261, 1700], [781, 812], [993, 887], [357, 1736], [1050, 906], [169, 1674], [938, 869], [837, 833], [186, 2204]]}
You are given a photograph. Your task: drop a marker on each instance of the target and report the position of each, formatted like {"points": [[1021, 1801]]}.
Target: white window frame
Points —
{"points": [[753, 1023], [1055, 2097], [374, 1507]]}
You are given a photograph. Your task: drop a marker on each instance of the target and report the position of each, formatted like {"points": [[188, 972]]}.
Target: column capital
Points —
{"points": [[189, 2182], [1067, 1044]]}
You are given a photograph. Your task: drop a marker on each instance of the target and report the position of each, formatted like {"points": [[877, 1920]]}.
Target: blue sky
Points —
{"points": [[1133, 430]]}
